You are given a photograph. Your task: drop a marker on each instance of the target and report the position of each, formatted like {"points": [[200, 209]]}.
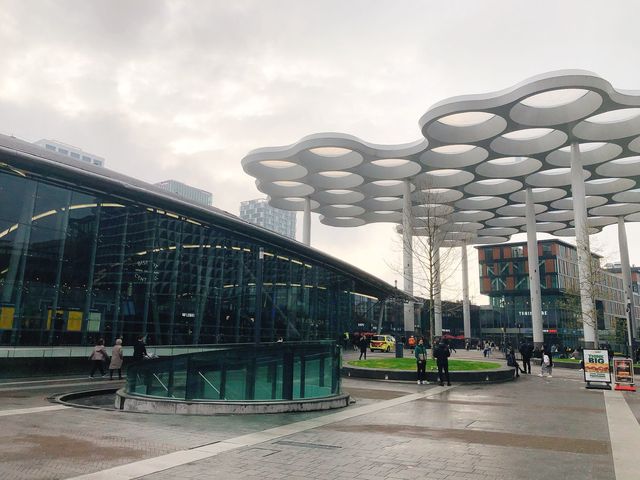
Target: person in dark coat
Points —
{"points": [[442, 354], [363, 343], [526, 350], [421, 362], [139, 349], [512, 362]]}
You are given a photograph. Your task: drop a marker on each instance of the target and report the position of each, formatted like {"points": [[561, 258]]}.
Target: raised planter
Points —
{"points": [[496, 375]]}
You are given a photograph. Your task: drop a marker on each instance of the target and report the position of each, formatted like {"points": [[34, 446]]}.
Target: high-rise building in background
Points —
{"points": [[259, 212], [70, 151], [183, 190], [504, 277]]}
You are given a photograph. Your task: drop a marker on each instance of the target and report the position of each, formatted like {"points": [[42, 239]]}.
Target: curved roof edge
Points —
{"points": [[34, 158]]}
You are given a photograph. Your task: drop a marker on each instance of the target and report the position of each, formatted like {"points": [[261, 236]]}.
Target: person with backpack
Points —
{"points": [[441, 353], [526, 350], [547, 363]]}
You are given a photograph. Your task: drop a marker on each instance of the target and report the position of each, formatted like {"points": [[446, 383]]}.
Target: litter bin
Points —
{"points": [[399, 350]]}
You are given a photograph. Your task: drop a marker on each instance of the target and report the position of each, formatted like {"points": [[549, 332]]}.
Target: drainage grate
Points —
{"points": [[306, 445]]}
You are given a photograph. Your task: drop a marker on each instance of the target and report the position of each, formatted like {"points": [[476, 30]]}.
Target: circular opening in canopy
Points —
{"points": [[466, 119], [615, 116], [334, 174], [453, 149], [277, 164], [330, 151], [554, 98], [528, 133]]}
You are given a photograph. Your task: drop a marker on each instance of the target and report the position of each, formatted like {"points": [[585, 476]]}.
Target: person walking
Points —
{"points": [[139, 349], [116, 360], [420, 352], [98, 357], [546, 365], [442, 354], [363, 344], [526, 350]]}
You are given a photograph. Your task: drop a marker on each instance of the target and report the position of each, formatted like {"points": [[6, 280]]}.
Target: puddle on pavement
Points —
{"points": [[30, 446], [502, 439]]}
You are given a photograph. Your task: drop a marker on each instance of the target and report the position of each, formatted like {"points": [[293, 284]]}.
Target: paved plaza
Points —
{"points": [[529, 429]]}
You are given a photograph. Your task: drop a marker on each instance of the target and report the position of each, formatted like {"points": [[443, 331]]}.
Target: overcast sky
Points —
{"points": [[184, 89]]}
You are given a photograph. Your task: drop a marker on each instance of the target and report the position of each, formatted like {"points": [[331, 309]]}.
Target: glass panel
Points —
{"points": [[235, 382]]}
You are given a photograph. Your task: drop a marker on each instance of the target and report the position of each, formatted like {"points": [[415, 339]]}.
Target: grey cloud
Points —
{"points": [[129, 80]]}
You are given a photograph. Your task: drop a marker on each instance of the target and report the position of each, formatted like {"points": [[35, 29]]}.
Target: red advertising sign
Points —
{"points": [[623, 374]]}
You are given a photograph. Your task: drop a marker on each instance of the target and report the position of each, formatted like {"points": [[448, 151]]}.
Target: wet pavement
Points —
{"points": [[532, 428]]}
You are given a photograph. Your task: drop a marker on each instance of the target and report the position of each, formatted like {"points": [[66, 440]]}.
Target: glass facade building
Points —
{"points": [[88, 253], [504, 277]]}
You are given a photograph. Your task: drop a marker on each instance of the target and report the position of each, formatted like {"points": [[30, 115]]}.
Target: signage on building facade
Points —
{"points": [[596, 368], [527, 313]]}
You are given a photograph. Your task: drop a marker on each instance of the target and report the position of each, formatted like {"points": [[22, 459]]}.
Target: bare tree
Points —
{"points": [[433, 234], [589, 285]]}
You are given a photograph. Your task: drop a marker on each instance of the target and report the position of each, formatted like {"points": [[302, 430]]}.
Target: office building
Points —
{"points": [[70, 151], [259, 212], [504, 277], [187, 192]]}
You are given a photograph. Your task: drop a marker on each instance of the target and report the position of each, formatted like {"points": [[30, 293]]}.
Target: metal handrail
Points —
{"points": [[210, 384]]}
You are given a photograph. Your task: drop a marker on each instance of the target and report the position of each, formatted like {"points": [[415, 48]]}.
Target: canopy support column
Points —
{"points": [[586, 280], [407, 257], [534, 271], [306, 222], [466, 310]]}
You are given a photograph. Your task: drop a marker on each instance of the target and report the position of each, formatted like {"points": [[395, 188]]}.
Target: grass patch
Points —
{"points": [[410, 364]]}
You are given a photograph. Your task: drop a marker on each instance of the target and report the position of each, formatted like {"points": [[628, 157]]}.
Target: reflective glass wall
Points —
{"points": [[76, 266]]}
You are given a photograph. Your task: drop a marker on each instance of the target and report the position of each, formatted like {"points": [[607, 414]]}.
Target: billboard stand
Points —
{"points": [[596, 369], [623, 374]]}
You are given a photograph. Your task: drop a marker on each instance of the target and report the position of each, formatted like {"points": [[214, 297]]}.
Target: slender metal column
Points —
{"points": [[63, 241], [407, 257], [306, 222], [14, 280], [589, 318], [257, 334], [626, 281], [381, 316], [437, 291], [534, 271], [466, 309], [174, 257], [88, 301], [116, 329], [200, 296]]}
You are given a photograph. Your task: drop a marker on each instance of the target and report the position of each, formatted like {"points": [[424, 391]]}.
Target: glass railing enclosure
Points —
{"points": [[245, 372]]}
